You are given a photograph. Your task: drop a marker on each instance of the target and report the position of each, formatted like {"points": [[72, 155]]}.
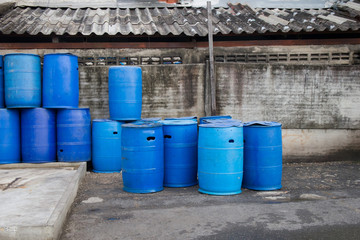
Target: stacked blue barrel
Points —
{"points": [[125, 101], [154, 153], [42, 116]]}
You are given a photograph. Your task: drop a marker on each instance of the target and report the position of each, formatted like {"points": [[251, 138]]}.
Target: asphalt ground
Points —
{"points": [[317, 201]]}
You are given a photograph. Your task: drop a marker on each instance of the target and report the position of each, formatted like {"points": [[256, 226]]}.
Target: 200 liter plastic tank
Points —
{"points": [[22, 74], [142, 155], [9, 136], [2, 97], [60, 81], [220, 158], [180, 149], [38, 135], [202, 120], [106, 145], [125, 93], [73, 135], [262, 155]]}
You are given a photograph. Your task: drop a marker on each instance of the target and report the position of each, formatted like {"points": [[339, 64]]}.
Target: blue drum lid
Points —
{"points": [[22, 54], [141, 124], [223, 124], [66, 54], [151, 119], [124, 67], [221, 120], [103, 120], [262, 124], [178, 122], [183, 118], [63, 109]]}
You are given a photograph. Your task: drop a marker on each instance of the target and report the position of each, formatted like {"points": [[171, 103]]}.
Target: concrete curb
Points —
{"points": [[53, 227]]}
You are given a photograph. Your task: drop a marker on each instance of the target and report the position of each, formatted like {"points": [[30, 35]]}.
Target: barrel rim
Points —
{"points": [[63, 109], [224, 120], [223, 124], [36, 108], [22, 54], [9, 109], [216, 117], [182, 118], [262, 124], [67, 54], [151, 119], [57, 107], [122, 67], [140, 124], [178, 122], [100, 120]]}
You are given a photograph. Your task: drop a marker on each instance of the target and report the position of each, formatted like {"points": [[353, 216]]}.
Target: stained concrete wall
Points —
{"points": [[299, 96], [317, 104], [301, 145]]}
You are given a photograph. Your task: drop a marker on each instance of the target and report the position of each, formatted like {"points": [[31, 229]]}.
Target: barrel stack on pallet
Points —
{"points": [[57, 131]]}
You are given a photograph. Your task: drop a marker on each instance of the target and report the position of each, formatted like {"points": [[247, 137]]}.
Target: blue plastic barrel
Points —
{"points": [[60, 81], [2, 96], [262, 155], [142, 154], [38, 135], [106, 145], [22, 74], [73, 135], [180, 152], [9, 136], [125, 93], [220, 158], [202, 119], [194, 118]]}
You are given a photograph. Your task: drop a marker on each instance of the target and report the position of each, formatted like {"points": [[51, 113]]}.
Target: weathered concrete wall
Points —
{"points": [[298, 96], [320, 145]]}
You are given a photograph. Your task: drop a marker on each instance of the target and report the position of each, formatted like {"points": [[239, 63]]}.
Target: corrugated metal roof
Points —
{"points": [[236, 19]]}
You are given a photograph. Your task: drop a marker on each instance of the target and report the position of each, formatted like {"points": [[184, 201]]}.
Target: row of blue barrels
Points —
{"points": [[106, 141], [234, 155], [153, 154], [159, 153], [21, 85], [40, 135]]}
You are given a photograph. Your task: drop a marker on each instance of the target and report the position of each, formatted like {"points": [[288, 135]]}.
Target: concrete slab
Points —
{"points": [[317, 201], [35, 198]]}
